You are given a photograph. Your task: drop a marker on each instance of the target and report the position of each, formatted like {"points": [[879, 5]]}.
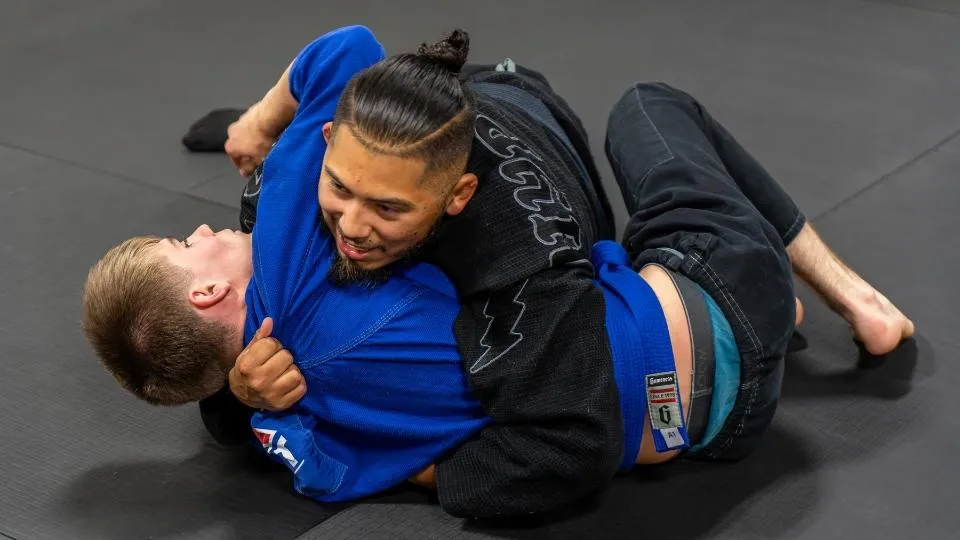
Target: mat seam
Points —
{"points": [[118, 176], [883, 178], [915, 8]]}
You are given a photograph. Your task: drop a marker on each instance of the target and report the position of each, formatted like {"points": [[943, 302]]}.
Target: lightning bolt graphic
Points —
{"points": [[503, 339]]}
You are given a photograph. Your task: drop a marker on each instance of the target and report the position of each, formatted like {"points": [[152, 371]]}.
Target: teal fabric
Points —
{"points": [[727, 371]]}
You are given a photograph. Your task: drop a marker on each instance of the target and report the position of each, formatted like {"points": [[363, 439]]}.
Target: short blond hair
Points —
{"points": [[146, 334]]}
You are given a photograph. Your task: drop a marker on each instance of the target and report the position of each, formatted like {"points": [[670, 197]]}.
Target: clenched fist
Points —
{"points": [[248, 142], [265, 376]]}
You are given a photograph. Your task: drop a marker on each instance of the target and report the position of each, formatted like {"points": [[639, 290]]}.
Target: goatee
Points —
{"points": [[344, 272]]}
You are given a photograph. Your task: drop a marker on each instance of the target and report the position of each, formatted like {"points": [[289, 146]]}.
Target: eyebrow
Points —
{"points": [[399, 203]]}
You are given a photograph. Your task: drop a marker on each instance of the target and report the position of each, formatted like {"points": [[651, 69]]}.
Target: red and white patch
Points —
{"points": [[265, 436]]}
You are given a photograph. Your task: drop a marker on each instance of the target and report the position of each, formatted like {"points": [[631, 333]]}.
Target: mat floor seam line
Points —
{"points": [[7, 536], [915, 8], [114, 175], [884, 177], [205, 180]]}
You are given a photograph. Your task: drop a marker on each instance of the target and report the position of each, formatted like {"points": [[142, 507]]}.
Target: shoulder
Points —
{"points": [[520, 220], [357, 40], [340, 54]]}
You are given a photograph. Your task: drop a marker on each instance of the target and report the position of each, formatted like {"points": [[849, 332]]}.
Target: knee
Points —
{"points": [[654, 89], [629, 108], [627, 111], [650, 89], [632, 100]]}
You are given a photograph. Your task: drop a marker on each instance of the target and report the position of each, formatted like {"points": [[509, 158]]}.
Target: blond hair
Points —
{"points": [[146, 334]]}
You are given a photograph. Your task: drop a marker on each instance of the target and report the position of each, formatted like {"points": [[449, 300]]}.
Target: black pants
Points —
{"points": [[701, 205]]}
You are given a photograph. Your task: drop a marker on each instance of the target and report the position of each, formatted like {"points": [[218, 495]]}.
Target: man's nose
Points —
{"points": [[353, 226]]}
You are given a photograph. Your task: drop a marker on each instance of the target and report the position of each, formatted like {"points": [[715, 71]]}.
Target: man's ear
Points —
{"points": [[209, 294], [328, 132], [462, 193]]}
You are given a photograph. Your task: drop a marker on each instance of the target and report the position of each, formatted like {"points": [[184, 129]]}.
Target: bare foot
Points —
{"points": [[878, 324]]}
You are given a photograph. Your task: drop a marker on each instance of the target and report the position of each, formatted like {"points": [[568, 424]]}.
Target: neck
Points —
{"points": [[238, 320], [231, 313], [237, 326]]}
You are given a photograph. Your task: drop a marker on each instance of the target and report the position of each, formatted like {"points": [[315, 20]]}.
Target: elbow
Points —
{"points": [[359, 33], [581, 473], [362, 38], [599, 465], [601, 447]]}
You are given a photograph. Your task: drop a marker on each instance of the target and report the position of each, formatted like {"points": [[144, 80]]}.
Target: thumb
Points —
{"points": [[266, 327]]}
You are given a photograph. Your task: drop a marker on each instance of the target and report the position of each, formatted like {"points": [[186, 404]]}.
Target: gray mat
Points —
{"points": [[831, 94], [81, 459], [936, 6]]}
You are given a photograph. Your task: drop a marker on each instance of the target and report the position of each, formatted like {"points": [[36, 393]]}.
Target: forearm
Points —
{"points": [[274, 112]]}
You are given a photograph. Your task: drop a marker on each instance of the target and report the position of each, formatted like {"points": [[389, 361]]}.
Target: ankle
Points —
{"points": [[854, 301]]}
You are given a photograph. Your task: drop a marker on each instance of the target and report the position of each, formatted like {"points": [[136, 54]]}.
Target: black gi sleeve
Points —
{"points": [[226, 418], [539, 361]]}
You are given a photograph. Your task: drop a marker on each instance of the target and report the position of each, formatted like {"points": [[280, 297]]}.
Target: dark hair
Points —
{"points": [[414, 105]]}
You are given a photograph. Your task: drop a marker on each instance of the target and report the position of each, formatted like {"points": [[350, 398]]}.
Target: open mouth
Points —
{"points": [[351, 251]]}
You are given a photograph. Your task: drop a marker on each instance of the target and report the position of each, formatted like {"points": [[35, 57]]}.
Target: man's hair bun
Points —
{"points": [[450, 51]]}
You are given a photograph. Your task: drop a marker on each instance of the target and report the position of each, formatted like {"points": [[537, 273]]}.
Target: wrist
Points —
{"points": [[261, 122]]}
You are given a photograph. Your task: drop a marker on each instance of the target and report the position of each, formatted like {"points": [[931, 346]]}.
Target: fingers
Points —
{"points": [[275, 375], [266, 328], [246, 165], [295, 394], [279, 360], [243, 159], [257, 354], [285, 391], [265, 375]]}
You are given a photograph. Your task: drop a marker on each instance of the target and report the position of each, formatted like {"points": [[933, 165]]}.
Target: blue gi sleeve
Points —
{"points": [[333, 57]]}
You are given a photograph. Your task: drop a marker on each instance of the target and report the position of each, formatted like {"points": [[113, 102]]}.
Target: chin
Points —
{"points": [[371, 265]]}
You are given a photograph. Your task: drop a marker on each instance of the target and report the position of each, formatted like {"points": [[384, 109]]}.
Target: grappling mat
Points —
{"points": [[851, 104]]}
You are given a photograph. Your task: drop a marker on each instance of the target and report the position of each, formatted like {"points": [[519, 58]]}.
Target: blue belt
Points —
{"points": [[651, 364]]}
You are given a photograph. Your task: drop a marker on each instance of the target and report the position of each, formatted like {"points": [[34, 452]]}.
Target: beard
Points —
{"points": [[344, 272]]}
